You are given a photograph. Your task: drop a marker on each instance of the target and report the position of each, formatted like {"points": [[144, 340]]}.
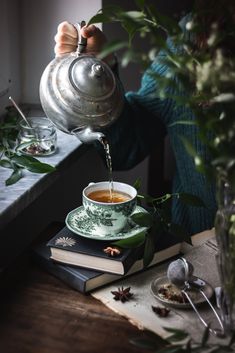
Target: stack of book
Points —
{"points": [[83, 264]]}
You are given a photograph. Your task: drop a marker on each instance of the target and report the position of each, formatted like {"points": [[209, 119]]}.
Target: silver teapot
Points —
{"points": [[80, 94]]}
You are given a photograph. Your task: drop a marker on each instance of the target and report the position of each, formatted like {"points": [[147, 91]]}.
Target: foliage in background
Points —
{"points": [[180, 342], [203, 81], [207, 76], [10, 155]]}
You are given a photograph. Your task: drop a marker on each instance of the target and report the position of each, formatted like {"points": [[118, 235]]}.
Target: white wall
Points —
{"points": [[27, 30], [39, 21], [9, 52]]}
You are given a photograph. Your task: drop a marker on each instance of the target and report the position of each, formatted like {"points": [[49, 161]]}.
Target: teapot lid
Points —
{"points": [[91, 77]]}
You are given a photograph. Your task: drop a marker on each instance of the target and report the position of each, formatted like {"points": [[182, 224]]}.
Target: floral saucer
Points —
{"points": [[78, 222]]}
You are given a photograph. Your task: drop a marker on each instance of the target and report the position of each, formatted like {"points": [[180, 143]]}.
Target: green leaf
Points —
{"points": [[6, 164], [162, 199], [32, 164], [144, 343], [167, 23], [191, 200], [7, 126], [149, 249], [171, 349], [189, 147], [110, 13], [177, 334], [133, 242], [175, 330], [183, 122], [131, 28], [15, 176], [127, 57], [133, 15], [100, 18], [143, 219], [112, 47], [137, 184]]}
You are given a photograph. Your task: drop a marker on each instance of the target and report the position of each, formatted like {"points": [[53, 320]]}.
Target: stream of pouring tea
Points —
{"points": [[105, 144]]}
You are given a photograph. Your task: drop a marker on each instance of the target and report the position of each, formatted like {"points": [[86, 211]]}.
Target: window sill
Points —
{"points": [[17, 197]]}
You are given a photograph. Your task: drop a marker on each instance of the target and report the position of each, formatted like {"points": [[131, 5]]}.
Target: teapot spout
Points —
{"points": [[87, 135]]}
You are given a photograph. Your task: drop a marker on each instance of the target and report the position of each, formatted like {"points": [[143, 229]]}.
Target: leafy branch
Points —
{"points": [[179, 342], [205, 78], [10, 151], [157, 220]]}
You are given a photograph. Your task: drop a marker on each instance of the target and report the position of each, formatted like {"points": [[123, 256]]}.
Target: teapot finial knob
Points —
{"points": [[97, 70]]}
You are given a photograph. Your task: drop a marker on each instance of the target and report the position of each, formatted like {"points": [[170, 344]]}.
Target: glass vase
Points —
{"points": [[225, 235]]}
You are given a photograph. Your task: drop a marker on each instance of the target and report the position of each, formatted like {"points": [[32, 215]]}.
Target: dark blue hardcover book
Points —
{"points": [[85, 280], [69, 248], [82, 279]]}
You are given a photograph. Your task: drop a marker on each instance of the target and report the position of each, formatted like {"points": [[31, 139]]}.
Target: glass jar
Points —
{"points": [[37, 138]]}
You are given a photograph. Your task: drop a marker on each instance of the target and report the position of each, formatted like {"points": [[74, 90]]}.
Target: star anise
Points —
{"points": [[161, 311], [122, 294], [112, 251]]}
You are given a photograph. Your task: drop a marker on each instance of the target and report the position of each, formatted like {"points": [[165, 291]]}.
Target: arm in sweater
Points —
{"points": [[145, 119], [141, 124]]}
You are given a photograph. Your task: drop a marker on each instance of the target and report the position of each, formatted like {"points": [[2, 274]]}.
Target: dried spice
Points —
{"points": [[122, 294], [112, 251], [161, 311], [169, 292]]}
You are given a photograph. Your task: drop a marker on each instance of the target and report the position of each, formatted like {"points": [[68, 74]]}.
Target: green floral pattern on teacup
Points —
{"points": [[78, 222], [100, 216], [107, 214]]}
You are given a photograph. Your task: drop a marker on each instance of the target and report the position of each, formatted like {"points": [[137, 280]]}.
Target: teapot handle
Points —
{"points": [[82, 42]]}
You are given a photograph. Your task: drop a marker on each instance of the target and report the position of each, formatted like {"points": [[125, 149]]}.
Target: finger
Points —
{"points": [[67, 28], [65, 39], [90, 31], [63, 49]]}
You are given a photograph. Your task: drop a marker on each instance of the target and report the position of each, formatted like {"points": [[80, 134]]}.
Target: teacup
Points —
{"points": [[109, 216]]}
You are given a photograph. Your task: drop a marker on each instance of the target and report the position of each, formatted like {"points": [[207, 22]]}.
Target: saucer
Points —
{"points": [[78, 222], [195, 295]]}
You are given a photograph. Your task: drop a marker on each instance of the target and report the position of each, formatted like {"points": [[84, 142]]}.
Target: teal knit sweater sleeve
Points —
{"points": [[142, 122], [146, 118]]}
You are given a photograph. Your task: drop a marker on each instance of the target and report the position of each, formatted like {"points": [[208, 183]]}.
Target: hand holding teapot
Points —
{"points": [[79, 93], [66, 39]]}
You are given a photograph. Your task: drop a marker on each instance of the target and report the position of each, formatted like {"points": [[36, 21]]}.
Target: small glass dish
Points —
{"points": [[38, 139], [162, 283]]}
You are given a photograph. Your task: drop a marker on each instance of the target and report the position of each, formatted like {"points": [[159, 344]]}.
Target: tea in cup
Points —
{"points": [[109, 209]]}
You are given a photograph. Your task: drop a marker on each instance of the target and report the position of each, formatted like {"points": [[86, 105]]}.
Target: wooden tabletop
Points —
{"points": [[41, 314]]}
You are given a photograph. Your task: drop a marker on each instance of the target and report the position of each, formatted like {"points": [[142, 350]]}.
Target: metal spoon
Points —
{"points": [[35, 133], [180, 273], [20, 111]]}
